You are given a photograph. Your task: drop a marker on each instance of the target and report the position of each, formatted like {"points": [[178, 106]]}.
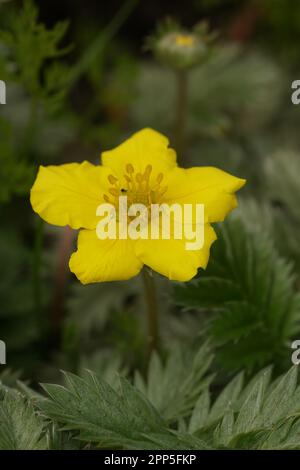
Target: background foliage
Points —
{"points": [[79, 81]]}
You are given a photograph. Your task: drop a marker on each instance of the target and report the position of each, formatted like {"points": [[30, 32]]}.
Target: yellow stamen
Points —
{"points": [[137, 187], [114, 192], [147, 172], [159, 178], [129, 168], [163, 191], [139, 178], [112, 179]]}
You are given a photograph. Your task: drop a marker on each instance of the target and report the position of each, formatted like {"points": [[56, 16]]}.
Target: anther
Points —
{"points": [[139, 178], [159, 178], [129, 168], [112, 179], [163, 190], [147, 171], [114, 192]]}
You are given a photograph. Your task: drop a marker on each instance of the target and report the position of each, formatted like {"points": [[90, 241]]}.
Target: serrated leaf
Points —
{"points": [[20, 426], [200, 412], [173, 388], [250, 409], [278, 402], [224, 430], [101, 414], [227, 398]]}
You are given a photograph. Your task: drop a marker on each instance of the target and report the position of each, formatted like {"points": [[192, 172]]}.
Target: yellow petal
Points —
{"points": [[204, 185], [103, 260], [171, 258], [69, 194], [146, 147]]}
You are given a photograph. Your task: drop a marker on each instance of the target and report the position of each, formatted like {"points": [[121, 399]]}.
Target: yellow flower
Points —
{"points": [[145, 168]]}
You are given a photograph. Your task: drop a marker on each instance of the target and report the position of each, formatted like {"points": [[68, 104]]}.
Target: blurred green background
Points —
{"points": [[80, 78]]}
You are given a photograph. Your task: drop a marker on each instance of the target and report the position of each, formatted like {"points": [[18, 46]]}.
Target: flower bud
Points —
{"points": [[181, 49]]}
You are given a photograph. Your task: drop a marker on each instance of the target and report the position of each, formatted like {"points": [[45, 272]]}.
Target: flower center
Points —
{"points": [[185, 40], [137, 187]]}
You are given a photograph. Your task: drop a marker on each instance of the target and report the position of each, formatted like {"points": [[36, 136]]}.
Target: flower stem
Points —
{"points": [[152, 311], [181, 113]]}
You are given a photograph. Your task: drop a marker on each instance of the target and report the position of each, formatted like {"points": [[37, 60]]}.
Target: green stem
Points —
{"points": [[152, 311], [103, 39], [181, 113]]}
